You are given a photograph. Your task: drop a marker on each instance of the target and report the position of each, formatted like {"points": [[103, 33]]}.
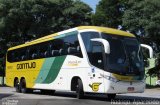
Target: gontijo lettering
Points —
{"points": [[26, 65]]}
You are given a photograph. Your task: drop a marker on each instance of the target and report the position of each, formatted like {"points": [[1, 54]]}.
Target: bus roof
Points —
{"points": [[107, 30], [97, 28]]}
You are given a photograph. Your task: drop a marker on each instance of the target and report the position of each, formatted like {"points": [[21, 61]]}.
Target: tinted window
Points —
{"points": [[10, 56], [86, 36], [22, 54], [94, 49], [72, 46], [96, 55], [43, 50], [116, 57], [33, 52], [57, 47], [67, 45]]}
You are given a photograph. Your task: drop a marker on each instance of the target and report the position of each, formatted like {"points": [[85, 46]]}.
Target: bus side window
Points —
{"points": [[10, 56], [72, 46], [78, 50], [23, 55], [57, 48], [93, 49], [43, 50], [16, 56], [33, 52], [54, 53], [13, 56]]}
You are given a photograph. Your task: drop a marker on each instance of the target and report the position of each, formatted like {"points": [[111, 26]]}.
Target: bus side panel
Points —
{"points": [[27, 69], [75, 67], [51, 77], [72, 66]]}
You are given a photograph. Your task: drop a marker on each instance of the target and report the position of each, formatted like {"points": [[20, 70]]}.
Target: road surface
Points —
{"points": [[8, 96]]}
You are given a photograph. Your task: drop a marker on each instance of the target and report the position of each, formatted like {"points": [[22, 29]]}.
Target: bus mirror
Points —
{"points": [[105, 44], [149, 48]]}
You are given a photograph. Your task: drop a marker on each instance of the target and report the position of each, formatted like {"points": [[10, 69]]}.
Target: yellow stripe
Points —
{"points": [[122, 78], [107, 30]]}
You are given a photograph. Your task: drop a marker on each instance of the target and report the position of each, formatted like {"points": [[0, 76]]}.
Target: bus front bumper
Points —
{"points": [[125, 87]]}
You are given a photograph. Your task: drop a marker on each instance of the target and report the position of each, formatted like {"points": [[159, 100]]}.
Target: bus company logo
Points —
{"points": [[26, 65], [73, 63], [95, 86]]}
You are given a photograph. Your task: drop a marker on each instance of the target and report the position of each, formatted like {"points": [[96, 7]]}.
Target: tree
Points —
{"points": [[143, 17], [109, 13], [25, 19]]}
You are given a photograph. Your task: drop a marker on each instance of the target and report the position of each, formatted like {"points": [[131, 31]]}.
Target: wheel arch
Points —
{"points": [[74, 82], [15, 79]]}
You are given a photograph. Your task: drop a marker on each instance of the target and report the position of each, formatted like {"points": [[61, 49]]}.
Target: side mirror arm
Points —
{"points": [[149, 48], [105, 44]]}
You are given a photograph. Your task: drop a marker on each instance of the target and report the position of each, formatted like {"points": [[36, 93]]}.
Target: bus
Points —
{"points": [[84, 59]]}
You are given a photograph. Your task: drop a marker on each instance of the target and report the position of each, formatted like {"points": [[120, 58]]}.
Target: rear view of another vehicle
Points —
{"points": [[158, 82]]}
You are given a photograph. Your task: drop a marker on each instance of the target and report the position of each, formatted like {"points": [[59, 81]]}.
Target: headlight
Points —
{"points": [[111, 79]]}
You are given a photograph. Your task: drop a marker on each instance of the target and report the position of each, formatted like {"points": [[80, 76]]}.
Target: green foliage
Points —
{"points": [[109, 13], [22, 20], [143, 16]]}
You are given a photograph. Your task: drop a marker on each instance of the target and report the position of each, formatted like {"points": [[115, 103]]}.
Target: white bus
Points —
{"points": [[85, 59]]}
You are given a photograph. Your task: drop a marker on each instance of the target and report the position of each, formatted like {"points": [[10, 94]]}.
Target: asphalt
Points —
{"points": [[8, 96]]}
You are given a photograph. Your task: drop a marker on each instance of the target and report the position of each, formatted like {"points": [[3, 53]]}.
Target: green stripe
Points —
{"points": [[55, 68], [45, 70]]}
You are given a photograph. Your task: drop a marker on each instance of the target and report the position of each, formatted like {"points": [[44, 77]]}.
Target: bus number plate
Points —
{"points": [[130, 89]]}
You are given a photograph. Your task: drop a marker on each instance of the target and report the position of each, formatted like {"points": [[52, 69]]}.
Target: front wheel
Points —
{"points": [[79, 90]]}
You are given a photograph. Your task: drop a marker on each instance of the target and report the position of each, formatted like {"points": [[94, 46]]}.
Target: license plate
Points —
{"points": [[130, 89]]}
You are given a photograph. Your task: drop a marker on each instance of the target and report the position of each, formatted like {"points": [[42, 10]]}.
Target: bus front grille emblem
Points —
{"points": [[95, 86]]}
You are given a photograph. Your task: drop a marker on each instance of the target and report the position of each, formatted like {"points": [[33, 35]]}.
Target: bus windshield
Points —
{"points": [[125, 56]]}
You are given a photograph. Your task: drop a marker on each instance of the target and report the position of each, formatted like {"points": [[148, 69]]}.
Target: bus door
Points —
{"points": [[96, 58]]}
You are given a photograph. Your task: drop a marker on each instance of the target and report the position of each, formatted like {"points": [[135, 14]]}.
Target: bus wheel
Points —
{"points": [[111, 96], [79, 90], [16, 86], [23, 88]]}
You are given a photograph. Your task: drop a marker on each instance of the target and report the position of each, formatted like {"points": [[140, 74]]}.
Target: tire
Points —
{"points": [[23, 88], [16, 86], [111, 96], [79, 90]]}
